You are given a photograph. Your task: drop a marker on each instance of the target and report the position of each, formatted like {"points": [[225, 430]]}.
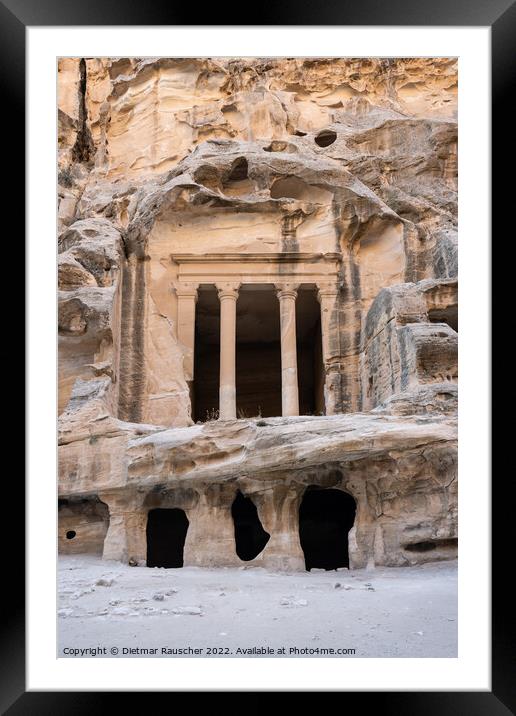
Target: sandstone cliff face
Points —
{"points": [[294, 163]]}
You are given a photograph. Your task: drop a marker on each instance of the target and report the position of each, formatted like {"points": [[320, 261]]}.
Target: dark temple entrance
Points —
{"points": [[250, 537], [258, 353], [325, 518], [310, 372], [205, 394], [166, 534]]}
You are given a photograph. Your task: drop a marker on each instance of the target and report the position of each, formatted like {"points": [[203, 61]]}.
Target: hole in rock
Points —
{"points": [[83, 525], [430, 545], [325, 138], [291, 187], [325, 518], [239, 170], [447, 315], [166, 534], [276, 146], [250, 537]]}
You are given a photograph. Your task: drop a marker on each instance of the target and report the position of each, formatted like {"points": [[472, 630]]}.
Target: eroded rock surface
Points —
{"points": [[330, 185]]}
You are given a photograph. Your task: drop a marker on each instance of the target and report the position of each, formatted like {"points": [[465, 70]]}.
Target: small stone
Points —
{"points": [[114, 602], [104, 582], [293, 602], [132, 562], [194, 611], [65, 612], [158, 597], [337, 585]]}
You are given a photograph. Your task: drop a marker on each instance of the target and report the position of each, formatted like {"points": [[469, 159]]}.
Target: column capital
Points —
{"points": [[286, 290], [186, 290], [327, 290], [228, 290]]}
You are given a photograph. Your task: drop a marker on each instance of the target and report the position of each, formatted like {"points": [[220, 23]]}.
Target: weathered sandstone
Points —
{"points": [[257, 295]]}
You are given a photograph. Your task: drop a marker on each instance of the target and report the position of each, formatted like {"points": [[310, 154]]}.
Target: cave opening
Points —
{"points": [[325, 519], [325, 138], [250, 537], [166, 535]]}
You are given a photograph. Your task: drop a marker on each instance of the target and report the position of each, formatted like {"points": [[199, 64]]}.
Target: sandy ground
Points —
{"points": [[387, 612]]}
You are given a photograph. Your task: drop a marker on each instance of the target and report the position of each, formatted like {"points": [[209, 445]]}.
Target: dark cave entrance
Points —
{"points": [[250, 537], [325, 518], [166, 534]]}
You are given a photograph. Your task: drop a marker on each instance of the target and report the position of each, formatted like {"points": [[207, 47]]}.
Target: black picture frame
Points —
{"points": [[500, 16]]}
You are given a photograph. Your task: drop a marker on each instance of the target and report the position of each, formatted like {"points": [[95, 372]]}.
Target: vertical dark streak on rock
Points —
{"points": [[390, 331], [138, 348], [403, 358], [83, 150], [126, 355], [289, 240], [132, 361]]}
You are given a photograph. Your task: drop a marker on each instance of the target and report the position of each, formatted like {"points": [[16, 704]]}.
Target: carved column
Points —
{"points": [[228, 295], [186, 300], [327, 297], [287, 295], [126, 538]]}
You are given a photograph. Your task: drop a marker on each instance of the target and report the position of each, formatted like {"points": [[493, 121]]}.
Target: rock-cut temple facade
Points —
{"points": [[258, 311]]}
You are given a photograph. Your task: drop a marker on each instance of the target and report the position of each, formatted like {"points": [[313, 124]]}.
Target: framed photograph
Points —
{"points": [[252, 464]]}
